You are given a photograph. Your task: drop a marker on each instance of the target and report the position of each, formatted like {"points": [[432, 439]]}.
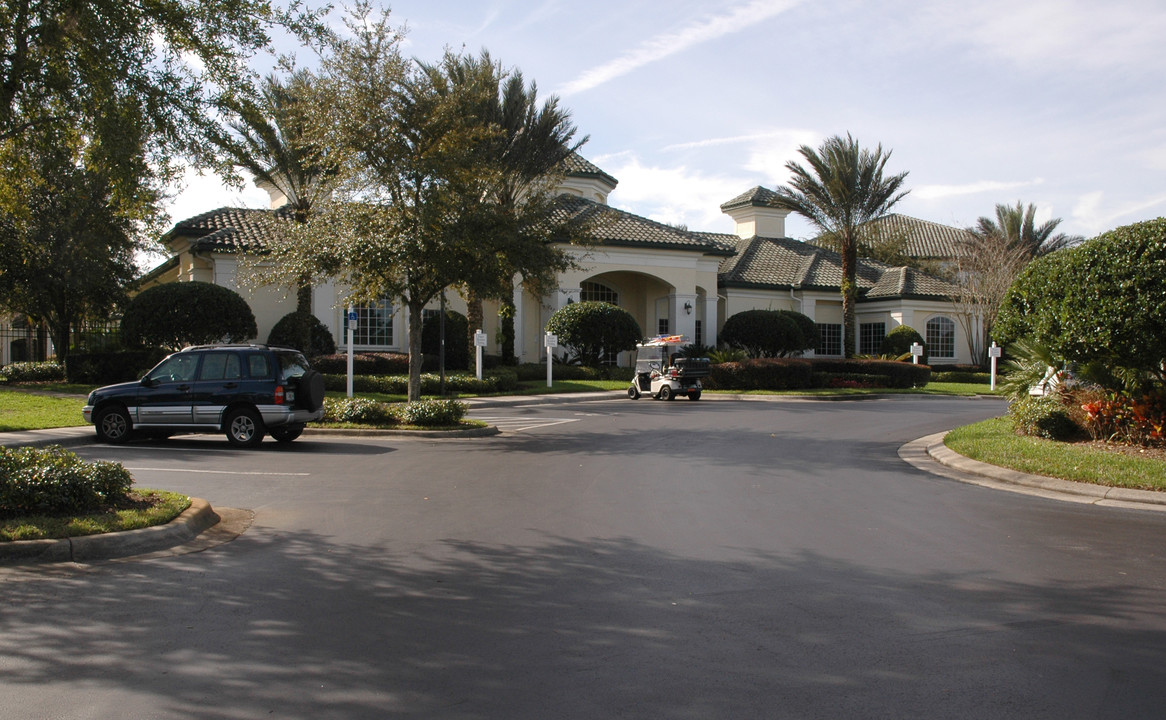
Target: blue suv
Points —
{"points": [[245, 391]]}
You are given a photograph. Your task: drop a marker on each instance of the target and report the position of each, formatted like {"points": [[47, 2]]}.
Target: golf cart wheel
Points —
{"points": [[633, 392], [694, 395], [666, 392]]}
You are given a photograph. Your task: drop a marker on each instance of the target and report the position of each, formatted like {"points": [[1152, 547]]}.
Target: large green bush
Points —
{"points": [[899, 340], [1042, 416], [21, 372], [433, 413], [770, 333], [806, 373], [593, 329], [304, 332], [54, 481], [457, 343], [178, 314], [1103, 301]]}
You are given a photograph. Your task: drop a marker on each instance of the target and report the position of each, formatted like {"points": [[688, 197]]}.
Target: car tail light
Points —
{"points": [[674, 373], [279, 394]]}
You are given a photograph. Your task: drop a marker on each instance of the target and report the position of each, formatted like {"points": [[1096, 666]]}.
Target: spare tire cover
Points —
{"points": [[310, 391]]}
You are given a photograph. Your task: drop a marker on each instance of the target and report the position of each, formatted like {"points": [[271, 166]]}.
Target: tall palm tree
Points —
{"points": [[843, 188], [273, 143], [1016, 227]]}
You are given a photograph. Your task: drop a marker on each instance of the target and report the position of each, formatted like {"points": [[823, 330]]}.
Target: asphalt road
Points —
{"points": [[712, 559]]}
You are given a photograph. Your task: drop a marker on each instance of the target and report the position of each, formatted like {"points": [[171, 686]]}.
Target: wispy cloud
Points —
{"points": [[661, 46], [937, 192], [1089, 212], [677, 194]]}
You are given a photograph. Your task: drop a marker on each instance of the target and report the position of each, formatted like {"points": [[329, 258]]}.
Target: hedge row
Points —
{"points": [[496, 381], [106, 368], [32, 372], [54, 481], [806, 373], [424, 413], [529, 372]]}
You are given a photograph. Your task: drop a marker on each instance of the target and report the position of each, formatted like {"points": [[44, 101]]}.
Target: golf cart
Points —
{"points": [[662, 373]]}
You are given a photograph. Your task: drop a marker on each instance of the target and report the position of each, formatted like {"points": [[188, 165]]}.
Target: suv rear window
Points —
{"points": [[292, 364], [257, 366]]}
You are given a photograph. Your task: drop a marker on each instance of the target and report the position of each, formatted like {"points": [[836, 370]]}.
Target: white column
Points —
{"points": [[683, 309], [710, 320]]}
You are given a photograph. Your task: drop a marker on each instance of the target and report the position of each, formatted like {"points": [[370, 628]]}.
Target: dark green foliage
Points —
{"points": [[899, 340], [533, 372], [962, 376], [304, 332], [363, 364], [1044, 416], [899, 374], [1102, 301], [457, 346], [591, 329], [54, 481], [175, 315], [770, 333], [806, 373], [359, 411], [106, 368], [32, 372]]}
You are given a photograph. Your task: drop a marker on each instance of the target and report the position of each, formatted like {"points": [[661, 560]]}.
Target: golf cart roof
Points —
{"points": [[661, 340]]}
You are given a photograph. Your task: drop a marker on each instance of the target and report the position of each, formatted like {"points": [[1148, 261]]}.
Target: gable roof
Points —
{"points": [[784, 264], [576, 165], [618, 227], [924, 239], [227, 229]]}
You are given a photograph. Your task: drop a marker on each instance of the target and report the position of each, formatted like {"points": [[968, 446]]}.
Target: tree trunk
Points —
{"points": [[474, 316], [416, 357], [849, 295]]}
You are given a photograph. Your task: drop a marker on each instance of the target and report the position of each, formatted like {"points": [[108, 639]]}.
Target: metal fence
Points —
{"points": [[23, 341]]}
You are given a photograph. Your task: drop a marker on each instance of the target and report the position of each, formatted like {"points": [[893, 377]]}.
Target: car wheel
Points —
{"points": [[244, 428], [310, 391], [694, 395], [286, 433], [114, 425], [666, 392], [633, 392]]}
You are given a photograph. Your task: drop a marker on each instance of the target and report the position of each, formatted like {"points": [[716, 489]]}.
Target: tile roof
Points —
{"points": [[755, 197], [227, 229], [784, 263], [578, 166], [617, 227], [925, 239]]}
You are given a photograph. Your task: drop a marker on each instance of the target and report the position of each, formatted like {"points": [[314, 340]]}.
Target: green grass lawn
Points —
{"points": [[27, 411], [149, 508], [993, 441]]}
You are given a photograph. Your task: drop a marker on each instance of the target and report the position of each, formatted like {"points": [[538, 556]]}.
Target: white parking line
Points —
{"points": [[514, 424]]}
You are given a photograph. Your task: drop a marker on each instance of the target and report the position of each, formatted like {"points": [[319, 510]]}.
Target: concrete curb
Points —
{"points": [[182, 529], [932, 455]]}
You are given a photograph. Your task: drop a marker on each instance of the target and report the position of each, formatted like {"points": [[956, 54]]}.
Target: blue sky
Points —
{"points": [[689, 103]]}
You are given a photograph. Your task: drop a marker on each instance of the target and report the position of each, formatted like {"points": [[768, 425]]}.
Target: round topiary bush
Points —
{"points": [[304, 332], [54, 481], [457, 343], [898, 342], [768, 333], [594, 329], [1042, 416], [178, 314]]}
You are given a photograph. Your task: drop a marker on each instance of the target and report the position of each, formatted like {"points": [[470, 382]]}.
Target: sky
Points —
{"points": [[689, 103]]}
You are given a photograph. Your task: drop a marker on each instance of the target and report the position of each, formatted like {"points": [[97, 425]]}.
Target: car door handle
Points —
{"points": [[230, 386], [182, 388]]}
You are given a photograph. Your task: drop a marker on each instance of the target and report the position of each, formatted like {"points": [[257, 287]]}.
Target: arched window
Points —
{"points": [[597, 292], [941, 337]]}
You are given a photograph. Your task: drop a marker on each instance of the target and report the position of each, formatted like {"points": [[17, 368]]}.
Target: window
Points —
{"points": [[941, 337], [374, 324], [597, 292], [870, 337], [699, 339], [257, 366], [829, 339], [662, 326], [220, 366]]}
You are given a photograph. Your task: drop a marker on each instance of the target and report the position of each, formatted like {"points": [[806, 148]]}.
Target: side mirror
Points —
{"points": [[147, 382]]}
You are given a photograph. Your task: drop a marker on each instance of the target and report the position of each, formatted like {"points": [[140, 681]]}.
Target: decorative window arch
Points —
{"points": [[591, 291], [941, 337]]}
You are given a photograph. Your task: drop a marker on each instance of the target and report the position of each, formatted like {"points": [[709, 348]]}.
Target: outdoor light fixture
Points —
{"points": [[687, 307]]}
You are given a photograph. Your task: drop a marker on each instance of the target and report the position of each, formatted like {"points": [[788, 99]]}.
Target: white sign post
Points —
{"points": [[351, 335], [994, 353], [916, 353], [552, 342], [479, 343]]}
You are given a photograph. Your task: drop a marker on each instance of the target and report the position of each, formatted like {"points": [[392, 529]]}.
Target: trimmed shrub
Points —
{"points": [[178, 314], [497, 381], [899, 340], [362, 364], [762, 374], [593, 329], [768, 333], [22, 372], [432, 413], [359, 411], [898, 374], [111, 367], [532, 372], [304, 332], [54, 481], [962, 376], [1044, 416], [457, 343]]}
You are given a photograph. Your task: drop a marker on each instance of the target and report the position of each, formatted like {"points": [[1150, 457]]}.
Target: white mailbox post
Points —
{"points": [[552, 342], [994, 353], [479, 343], [916, 352]]}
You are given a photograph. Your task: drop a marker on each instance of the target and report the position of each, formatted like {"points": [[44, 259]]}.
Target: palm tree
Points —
{"points": [[843, 188], [273, 144], [1016, 226]]}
